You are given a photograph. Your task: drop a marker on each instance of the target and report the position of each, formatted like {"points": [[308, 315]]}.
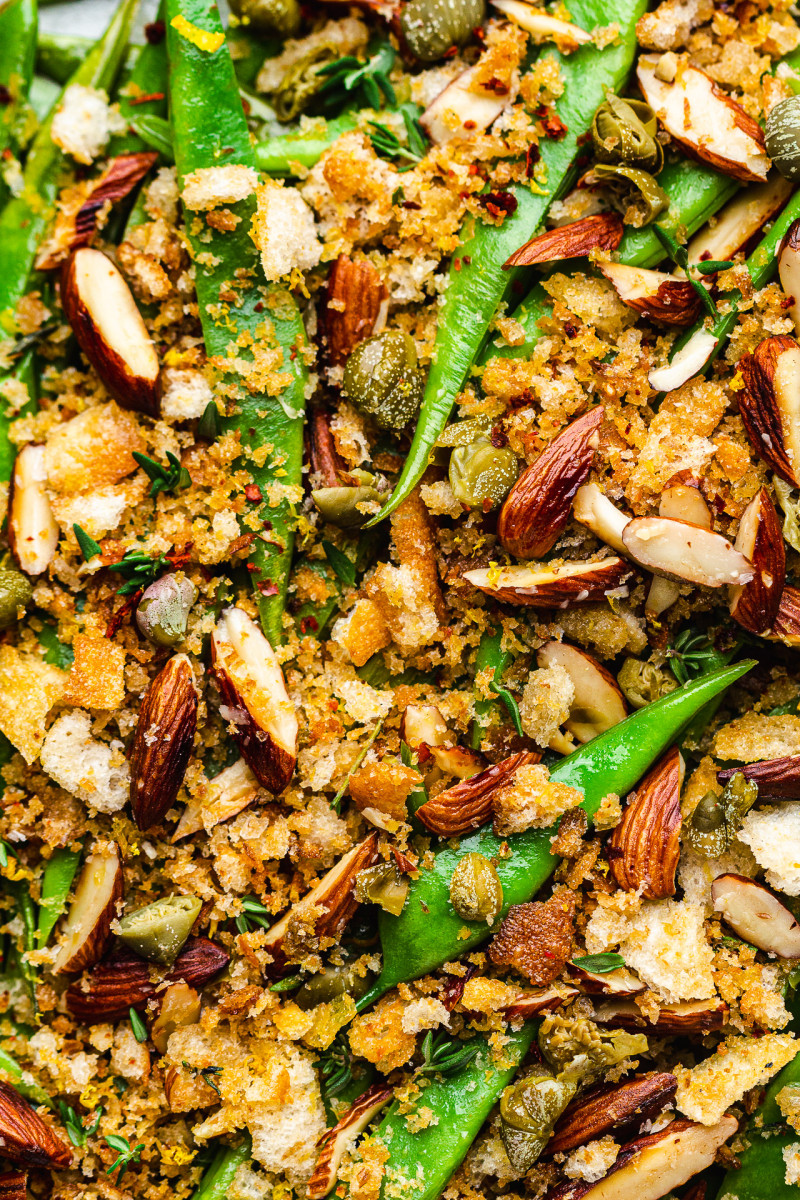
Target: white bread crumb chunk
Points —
{"points": [[84, 122], [93, 771], [213, 187], [284, 232], [738, 1064], [185, 394], [791, 1156], [773, 834], [426, 1013]]}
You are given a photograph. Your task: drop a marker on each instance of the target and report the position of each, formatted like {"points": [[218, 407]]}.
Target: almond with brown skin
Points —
{"points": [[460, 110], [710, 126], [531, 1004], [685, 553], [324, 458], [86, 932], [598, 702], [536, 510], [777, 778], [324, 911], [754, 606], [354, 301], [163, 741], [789, 270], [740, 220], [621, 982], [110, 331], [787, 623], [693, 1018], [544, 586], [32, 530], [468, 804], [544, 26], [254, 698], [652, 1166], [608, 1109], [24, 1136], [769, 404], [601, 232], [686, 362], [756, 915], [13, 1185], [654, 294], [536, 938], [125, 981], [645, 846], [334, 1142]]}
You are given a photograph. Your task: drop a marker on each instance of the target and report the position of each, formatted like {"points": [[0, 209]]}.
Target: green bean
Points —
{"points": [[209, 128], [477, 282], [59, 873], [491, 656], [220, 1175], [428, 932], [42, 96], [58, 55], [30, 1089], [148, 78], [18, 26], [279, 155]]}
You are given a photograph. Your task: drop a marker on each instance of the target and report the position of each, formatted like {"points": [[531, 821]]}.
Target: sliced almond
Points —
{"points": [[25, 1137], [334, 1142], [423, 725], [110, 331], [86, 932], [652, 1166], [180, 1006], [741, 219], [459, 112], [32, 530], [645, 846], [531, 1004], [598, 702], [691, 1018], [621, 982], [458, 760], [542, 586], [601, 232], [331, 901], [594, 509], [355, 299], [769, 404], [542, 26], [325, 461], [787, 623], [777, 778], [656, 295], [685, 553], [610, 1109], [707, 123], [536, 510], [683, 502], [756, 915], [760, 539], [227, 794], [13, 1185], [468, 805], [789, 268], [685, 364], [163, 741], [254, 698]]}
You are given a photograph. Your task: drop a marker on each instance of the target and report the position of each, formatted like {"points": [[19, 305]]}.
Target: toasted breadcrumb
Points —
{"points": [[592, 1161], [531, 800], [739, 1064], [773, 834], [84, 121]]}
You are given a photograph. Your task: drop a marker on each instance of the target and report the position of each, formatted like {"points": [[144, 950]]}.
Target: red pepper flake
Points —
{"points": [[498, 86], [451, 53], [5, 95], [467, 260], [146, 98], [411, 205], [122, 614], [571, 330], [584, 139], [293, 354], [479, 33], [253, 493], [470, 125], [498, 437], [423, 753], [253, 569], [309, 623], [154, 32], [179, 558], [267, 587], [532, 156], [259, 307], [457, 264], [499, 204], [554, 127], [266, 524]]}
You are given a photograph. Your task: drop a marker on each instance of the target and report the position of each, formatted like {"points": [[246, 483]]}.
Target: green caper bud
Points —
{"points": [[528, 1111], [708, 814], [383, 885], [159, 930], [705, 830], [432, 27], [332, 982], [301, 82], [15, 593], [382, 379], [636, 187], [342, 505], [783, 137], [579, 1050], [464, 433], [163, 612], [624, 133], [481, 475], [476, 892], [268, 16], [642, 682]]}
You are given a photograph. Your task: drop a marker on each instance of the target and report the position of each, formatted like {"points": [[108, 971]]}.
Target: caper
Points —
{"points": [[476, 892], [383, 885], [159, 930], [624, 133], [482, 475], [342, 505], [432, 27], [382, 379], [634, 188], [528, 1111], [15, 593], [783, 137], [332, 982], [464, 433], [302, 81], [163, 612], [579, 1050], [269, 16], [642, 682]]}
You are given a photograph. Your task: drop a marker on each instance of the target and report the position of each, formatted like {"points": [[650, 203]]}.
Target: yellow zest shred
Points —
{"points": [[202, 38]]}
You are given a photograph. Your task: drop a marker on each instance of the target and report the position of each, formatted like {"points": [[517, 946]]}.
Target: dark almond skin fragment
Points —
{"points": [[353, 300], [113, 987], [645, 846], [777, 778], [601, 232], [24, 1136], [608, 1109], [787, 623], [163, 741], [13, 1185], [531, 1004], [755, 605], [468, 804], [535, 938], [768, 404], [323, 457], [536, 510], [653, 294]]}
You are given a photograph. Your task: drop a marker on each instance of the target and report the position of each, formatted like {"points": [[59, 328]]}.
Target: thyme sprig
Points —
{"points": [[77, 1132], [126, 1154], [336, 1066], [387, 144], [443, 1055], [348, 75], [169, 478], [139, 569], [253, 915], [680, 256]]}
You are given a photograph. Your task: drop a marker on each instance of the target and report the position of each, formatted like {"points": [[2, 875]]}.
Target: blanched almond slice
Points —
{"points": [[593, 508], [645, 846], [760, 540], [227, 794], [621, 982], [656, 295], [254, 698], [32, 529], [685, 553], [423, 724], [544, 28], [691, 1018], [469, 804], [110, 331], [652, 1166], [459, 112], [789, 269], [742, 218], [684, 503], [542, 586], [598, 703], [605, 1109], [777, 778], [769, 404], [536, 510], [87, 928], [600, 232], [334, 1142], [756, 915], [701, 118], [687, 363], [787, 623]]}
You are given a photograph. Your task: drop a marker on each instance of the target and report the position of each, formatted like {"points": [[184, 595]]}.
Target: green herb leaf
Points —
{"points": [[139, 569], [336, 1066], [350, 74], [337, 799], [77, 1132], [208, 425], [163, 479], [504, 694], [138, 1026], [343, 568], [206, 1074], [89, 547], [406, 755], [126, 1155], [599, 964], [711, 265], [287, 985], [443, 1055]]}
